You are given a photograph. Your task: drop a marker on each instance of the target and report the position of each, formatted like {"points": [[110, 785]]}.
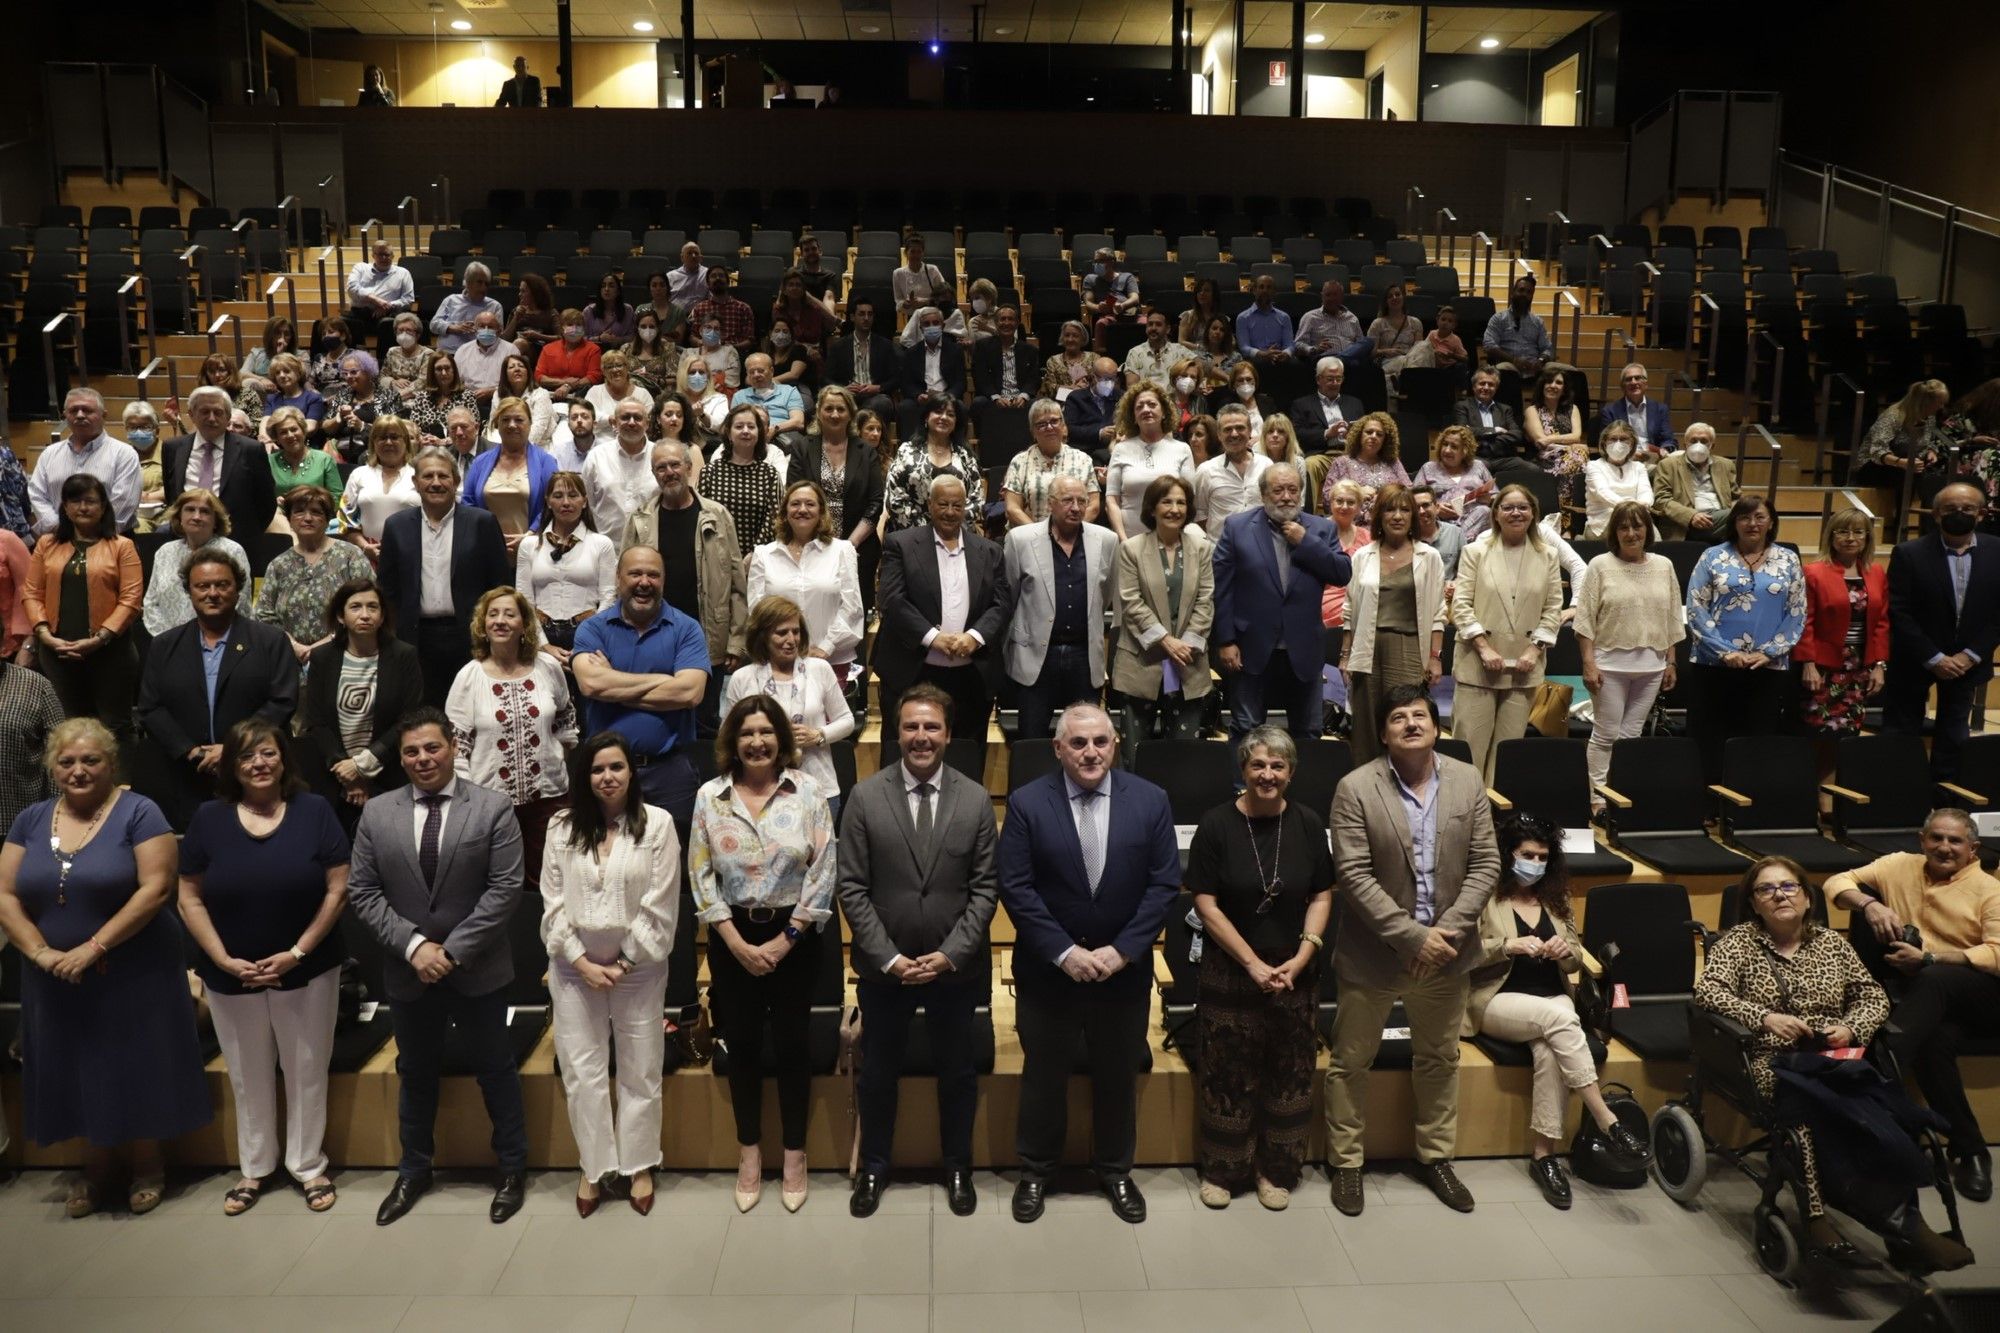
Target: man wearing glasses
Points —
{"points": [[1416, 859], [1935, 917]]}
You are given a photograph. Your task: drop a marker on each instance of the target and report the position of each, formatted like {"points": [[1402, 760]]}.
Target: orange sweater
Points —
{"points": [[1962, 913], [116, 589]]}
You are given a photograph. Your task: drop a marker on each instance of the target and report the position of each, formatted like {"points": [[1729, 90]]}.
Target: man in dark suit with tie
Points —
{"points": [[1088, 869], [1944, 625], [202, 678], [524, 89], [1090, 415], [871, 382], [918, 885], [436, 873], [234, 468], [1322, 417], [945, 604], [1272, 564], [1006, 369], [433, 600], [935, 363], [1493, 423]]}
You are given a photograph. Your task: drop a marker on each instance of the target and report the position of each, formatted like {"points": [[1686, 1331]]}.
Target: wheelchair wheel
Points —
{"points": [[1680, 1157], [1777, 1247]]}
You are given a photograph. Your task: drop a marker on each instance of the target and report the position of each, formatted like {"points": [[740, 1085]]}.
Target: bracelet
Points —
{"points": [[298, 955], [99, 946], [1312, 939]]}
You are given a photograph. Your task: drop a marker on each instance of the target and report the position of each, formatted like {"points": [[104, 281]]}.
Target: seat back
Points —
{"points": [[1177, 947], [1248, 250], [1196, 775], [1654, 956], [1979, 766], [1142, 246], [1662, 777], [1028, 760], [1780, 776], [1300, 251], [1197, 249], [1545, 776], [1322, 764]]}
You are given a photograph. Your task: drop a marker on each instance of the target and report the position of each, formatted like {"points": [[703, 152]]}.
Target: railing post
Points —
{"points": [[321, 261], [256, 251], [444, 212], [191, 256], [1575, 323], [49, 351], [1412, 197], [409, 206]]}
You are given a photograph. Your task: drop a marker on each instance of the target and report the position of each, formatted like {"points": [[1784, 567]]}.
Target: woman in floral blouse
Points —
{"points": [[1374, 458], [513, 719], [761, 864], [301, 581], [1746, 608], [905, 496]]}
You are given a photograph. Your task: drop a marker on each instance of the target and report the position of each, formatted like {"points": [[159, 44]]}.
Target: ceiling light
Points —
{"points": [[1002, 32], [1488, 43], [934, 46], [642, 26], [870, 29], [461, 25], [1315, 38]]}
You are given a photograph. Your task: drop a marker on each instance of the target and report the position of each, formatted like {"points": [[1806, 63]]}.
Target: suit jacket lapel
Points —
{"points": [[922, 572], [947, 800], [1153, 583], [457, 814], [1392, 806], [402, 840], [898, 797]]}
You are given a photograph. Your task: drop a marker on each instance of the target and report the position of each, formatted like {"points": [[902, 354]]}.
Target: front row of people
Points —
{"points": [[1469, 928]]}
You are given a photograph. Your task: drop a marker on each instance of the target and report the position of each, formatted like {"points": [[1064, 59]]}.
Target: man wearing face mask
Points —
{"points": [[1005, 368], [232, 467], [480, 361], [572, 363], [452, 324], [1693, 489], [1153, 361], [1109, 293], [1944, 624], [1272, 566], [935, 364], [864, 360], [738, 320], [378, 290], [1091, 419]]}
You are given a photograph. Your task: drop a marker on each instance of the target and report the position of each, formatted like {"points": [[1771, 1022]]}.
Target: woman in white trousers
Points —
{"points": [[263, 883], [1629, 616], [611, 888]]}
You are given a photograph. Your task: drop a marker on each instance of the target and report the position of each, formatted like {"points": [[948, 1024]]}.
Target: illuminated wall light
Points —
{"points": [[934, 48], [870, 29], [1315, 38], [461, 25], [1488, 43], [1002, 32]]}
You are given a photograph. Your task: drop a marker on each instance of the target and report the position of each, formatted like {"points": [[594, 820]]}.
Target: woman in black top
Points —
{"points": [[263, 882], [1261, 873], [358, 686], [1523, 990]]}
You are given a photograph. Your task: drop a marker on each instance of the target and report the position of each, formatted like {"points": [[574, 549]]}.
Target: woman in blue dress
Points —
{"points": [[108, 1042]]}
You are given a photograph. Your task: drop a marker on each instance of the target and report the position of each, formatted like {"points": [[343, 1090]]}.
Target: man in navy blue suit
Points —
{"points": [[1088, 868], [1271, 565], [1944, 625], [1648, 419]]}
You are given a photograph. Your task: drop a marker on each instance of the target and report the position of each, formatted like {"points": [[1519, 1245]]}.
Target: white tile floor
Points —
{"points": [[1632, 1260]]}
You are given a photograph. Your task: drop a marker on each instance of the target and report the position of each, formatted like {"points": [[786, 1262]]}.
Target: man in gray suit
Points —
{"points": [[1063, 574], [1416, 860], [919, 886], [436, 873]]}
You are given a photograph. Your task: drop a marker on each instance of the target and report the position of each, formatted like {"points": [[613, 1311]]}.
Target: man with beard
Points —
{"points": [[1272, 564]]}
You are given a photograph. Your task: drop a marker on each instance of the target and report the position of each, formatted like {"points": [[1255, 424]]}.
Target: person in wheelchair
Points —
{"points": [[1525, 990], [1799, 987]]}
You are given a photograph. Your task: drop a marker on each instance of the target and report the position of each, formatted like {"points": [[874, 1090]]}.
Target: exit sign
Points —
{"points": [[1278, 73]]}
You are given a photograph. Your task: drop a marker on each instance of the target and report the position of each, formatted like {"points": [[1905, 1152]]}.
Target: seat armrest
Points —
{"points": [[1724, 1024], [1499, 802], [1733, 797], [1844, 793], [1163, 976], [1615, 798], [1963, 793]]}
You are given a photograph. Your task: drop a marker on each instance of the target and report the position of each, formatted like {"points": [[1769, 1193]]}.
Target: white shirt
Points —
{"points": [[811, 698], [1135, 465], [192, 478], [1329, 408], [434, 582], [861, 342], [1635, 417], [366, 503], [824, 581], [633, 895], [108, 458], [933, 375], [618, 486], [479, 367], [541, 415], [1219, 491], [392, 284], [584, 578], [569, 458], [1098, 812], [954, 600], [1606, 485]]}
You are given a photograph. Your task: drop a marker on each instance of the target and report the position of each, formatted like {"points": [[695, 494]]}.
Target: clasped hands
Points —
{"points": [[432, 963], [960, 644], [266, 973], [920, 971], [1275, 980], [1437, 951], [1555, 949], [1791, 1030], [1081, 964]]}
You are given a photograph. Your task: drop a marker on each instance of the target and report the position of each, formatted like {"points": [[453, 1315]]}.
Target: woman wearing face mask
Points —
{"points": [[707, 394], [407, 361], [517, 380], [803, 314], [331, 341], [1524, 990], [984, 298], [142, 432], [534, 323], [607, 321], [1614, 479], [1070, 368], [653, 359], [1628, 618], [1746, 608], [1395, 614], [788, 358], [659, 300], [1845, 644], [1242, 387], [604, 398], [720, 360], [1507, 604], [195, 519], [1144, 451], [906, 493], [1187, 402], [570, 365], [566, 568]]}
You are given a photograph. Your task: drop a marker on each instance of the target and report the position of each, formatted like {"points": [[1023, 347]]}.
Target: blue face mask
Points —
{"points": [[697, 382], [934, 334], [711, 337], [1529, 872], [140, 439], [1105, 388], [487, 337]]}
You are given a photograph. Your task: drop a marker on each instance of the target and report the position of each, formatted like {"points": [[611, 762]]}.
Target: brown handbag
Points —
{"points": [[1549, 714]]}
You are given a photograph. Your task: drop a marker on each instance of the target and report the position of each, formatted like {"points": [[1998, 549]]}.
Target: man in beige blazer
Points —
{"points": [[1415, 861], [1693, 489]]}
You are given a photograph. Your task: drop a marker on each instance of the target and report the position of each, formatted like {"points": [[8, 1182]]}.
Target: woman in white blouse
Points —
{"points": [[1143, 451], [611, 889], [566, 569], [196, 518], [617, 387], [817, 572], [512, 717], [517, 380], [1614, 479], [382, 486], [804, 686]]}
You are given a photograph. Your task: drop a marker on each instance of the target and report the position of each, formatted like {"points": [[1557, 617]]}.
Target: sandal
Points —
{"points": [[239, 1200], [320, 1195], [82, 1200], [147, 1192]]}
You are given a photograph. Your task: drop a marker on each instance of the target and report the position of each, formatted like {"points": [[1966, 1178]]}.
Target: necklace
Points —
{"points": [[1272, 886], [66, 861]]}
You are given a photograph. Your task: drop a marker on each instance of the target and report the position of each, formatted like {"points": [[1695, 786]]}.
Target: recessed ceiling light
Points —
{"points": [[1434, 87], [870, 29], [461, 25], [1002, 32], [1315, 38], [642, 26], [1488, 43]]}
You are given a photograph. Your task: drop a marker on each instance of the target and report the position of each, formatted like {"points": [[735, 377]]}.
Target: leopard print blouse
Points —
{"points": [[1824, 982]]}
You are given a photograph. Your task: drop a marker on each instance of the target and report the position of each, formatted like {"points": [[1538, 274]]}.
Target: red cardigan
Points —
{"points": [[1824, 642]]}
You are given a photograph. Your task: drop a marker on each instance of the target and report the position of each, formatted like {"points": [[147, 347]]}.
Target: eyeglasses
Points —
{"points": [[1270, 897], [1784, 888]]}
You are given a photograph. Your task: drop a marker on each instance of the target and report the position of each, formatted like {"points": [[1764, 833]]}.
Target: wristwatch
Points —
{"points": [[1929, 958], [792, 933]]}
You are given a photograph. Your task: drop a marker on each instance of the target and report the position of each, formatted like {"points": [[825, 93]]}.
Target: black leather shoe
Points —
{"points": [[1549, 1176], [867, 1196], [403, 1196], [1030, 1197], [1348, 1195], [1126, 1201], [511, 1194], [1973, 1174], [1624, 1143], [959, 1193], [1443, 1182]]}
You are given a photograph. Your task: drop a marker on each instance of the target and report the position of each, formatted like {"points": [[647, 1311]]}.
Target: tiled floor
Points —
{"points": [[1631, 1260]]}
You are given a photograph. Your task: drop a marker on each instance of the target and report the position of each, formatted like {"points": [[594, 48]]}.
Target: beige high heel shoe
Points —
{"points": [[747, 1199], [793, 1200]]}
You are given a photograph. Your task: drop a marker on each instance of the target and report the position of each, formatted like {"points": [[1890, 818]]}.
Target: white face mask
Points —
{"points": [[978, 305], [1697, 452], [1246, 391], [1617, 452], [406, 340], [1184, 385], [647, 333]]}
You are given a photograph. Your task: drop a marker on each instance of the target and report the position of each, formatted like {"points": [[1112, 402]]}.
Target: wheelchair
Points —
{"points": [[1721, 1053]]}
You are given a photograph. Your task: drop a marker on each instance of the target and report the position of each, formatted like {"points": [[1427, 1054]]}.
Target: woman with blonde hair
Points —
{"points": [[706, 390], [1395, 614], [1845, 646], [289, 388], [1280, 442], [195, 519], [1507, 605], [382, 486], [1906, 435], [1459, 479], [1069, 368]]}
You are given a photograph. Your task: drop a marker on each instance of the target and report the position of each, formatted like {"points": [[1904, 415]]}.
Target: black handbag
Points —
{"points": [[1591, 1156]]}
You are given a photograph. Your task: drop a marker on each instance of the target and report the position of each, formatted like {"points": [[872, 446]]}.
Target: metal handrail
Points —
{"points": [[190, 257], [256, 251], [153, 367], [1694, 392], [1609, 383], [1486, 285], [1707, 361], [1777, 454], [326, 219], [49, 350], [297, 231], [1777, 373], [1825, 416], [1558, 232], [282, 281], [1450, 254], [320, 260], [1525, 268], [1412, 196], [1575, 321], [235, 323], [367, 241], [1651, 304], [136, 281], [445, 211], [416, 221]]}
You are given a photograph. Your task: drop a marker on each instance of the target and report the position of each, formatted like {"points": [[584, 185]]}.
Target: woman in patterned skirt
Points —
{"points": [[1845, 647], [1261, 873]]}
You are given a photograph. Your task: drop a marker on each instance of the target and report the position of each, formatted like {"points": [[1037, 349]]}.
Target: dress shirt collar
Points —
{"points": [[911, 781], [1072, 791], [937, 538], [1949, 553]]}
